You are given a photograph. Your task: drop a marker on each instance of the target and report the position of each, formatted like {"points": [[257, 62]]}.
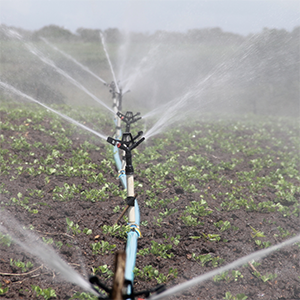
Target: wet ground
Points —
{"points": [[282, 266]]}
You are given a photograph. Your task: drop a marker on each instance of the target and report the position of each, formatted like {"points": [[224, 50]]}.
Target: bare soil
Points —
{"points": [[50, 222]]}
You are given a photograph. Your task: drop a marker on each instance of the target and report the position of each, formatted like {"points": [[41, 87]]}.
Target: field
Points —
{"points": [[210, 191]]}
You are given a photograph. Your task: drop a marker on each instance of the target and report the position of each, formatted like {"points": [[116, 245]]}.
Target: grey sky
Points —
{"points": [[239, 16]]}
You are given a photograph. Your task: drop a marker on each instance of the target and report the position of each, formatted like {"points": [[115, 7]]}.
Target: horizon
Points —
{"points": [[241, 17]]}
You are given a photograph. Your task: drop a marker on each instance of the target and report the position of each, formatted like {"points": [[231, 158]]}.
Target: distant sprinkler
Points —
{"points": [[117, 94], [120, 97]]}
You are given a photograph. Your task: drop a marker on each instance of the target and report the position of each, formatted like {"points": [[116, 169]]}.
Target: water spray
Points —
{"points": [[10, 88], [239, 262], [42, 251], [30, 47], [73, 60], [108, 59]]}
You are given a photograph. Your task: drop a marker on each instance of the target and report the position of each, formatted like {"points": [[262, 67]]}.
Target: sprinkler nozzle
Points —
{"points": [[111, 141]]}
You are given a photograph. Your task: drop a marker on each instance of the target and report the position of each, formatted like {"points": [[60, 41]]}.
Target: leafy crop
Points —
{"points": [[102, 248], [3, 290], [46, 293], [22, 265], [200, 185]]}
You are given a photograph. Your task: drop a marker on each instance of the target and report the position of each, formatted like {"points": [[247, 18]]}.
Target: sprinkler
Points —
{"points": [[128, 118], [125, 263], [116, 90], [113, 91]]}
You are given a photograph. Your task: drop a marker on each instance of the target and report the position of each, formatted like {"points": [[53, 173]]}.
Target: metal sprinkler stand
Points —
{"points": [[124, 272], [125, 261]]}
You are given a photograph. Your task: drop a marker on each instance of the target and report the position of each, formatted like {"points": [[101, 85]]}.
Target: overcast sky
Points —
{"points": [[238, 16]]}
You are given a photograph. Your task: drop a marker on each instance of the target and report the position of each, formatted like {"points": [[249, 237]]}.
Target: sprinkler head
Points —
{"points": [[129, 118], [128, 143]]}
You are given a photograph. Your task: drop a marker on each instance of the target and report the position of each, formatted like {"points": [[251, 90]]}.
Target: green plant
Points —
{"points": [[161, 250], [22, 265], [116, 230], [84, 296], [255, 233], [222, 277], [143, 252], [59, 244], [223, 225], [149, 273], [3, 290], [205, 258], [65, 193], [211, 237], [190, 221], [235, 275], [102, 248], [73, 227], [46, 293], [104, 270], [229, 296], [199, 209], [87, 231], [158, 220], [5, 239], [266, 277], [116, 209], [48, 241]]}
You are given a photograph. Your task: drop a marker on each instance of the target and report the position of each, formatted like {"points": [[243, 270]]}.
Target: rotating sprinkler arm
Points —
{"points": [[129, 118], [127, 144]]}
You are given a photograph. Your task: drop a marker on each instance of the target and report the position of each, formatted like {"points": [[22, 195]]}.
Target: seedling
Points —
{"points": [[102, 248], [84, 296], [235, 275], [149, 273], [87, 231], [22, 265], [256, 233], [46, 293], [229, 296], [3, 290], [73, 227], [205, 258], [116, 230], [5, 239], [104, 270], [223, 225]]}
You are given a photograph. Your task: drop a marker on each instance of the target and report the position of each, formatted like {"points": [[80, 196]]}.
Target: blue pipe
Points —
{"points": [[131, 247], [134, 233], [118, 162]]}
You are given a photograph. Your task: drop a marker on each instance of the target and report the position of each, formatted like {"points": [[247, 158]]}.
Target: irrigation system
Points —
{"points": [[123, 143]]}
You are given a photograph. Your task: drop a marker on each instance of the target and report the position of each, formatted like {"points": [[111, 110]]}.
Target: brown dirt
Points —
{"points": [[50, 221]]}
